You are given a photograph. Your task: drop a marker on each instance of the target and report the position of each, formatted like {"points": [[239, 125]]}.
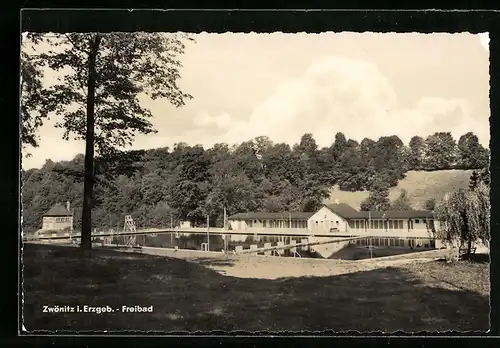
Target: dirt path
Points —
{"points": [[271, 267], [274, 267]]}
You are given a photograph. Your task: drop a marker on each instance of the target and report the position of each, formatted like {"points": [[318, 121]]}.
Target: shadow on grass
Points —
{"points": [[188, 297], [477, 258]]}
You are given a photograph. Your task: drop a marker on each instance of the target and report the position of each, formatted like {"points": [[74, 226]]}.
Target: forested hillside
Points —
{"points": [[189, 182]]}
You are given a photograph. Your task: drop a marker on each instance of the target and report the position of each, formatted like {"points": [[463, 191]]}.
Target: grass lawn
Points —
{"points": [[188, 297]]}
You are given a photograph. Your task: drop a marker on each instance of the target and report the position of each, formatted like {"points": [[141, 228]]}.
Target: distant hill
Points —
{"points": [[420, 186]]}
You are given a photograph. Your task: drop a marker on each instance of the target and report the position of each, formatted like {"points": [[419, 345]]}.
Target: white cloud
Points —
{"points": [[352, 96], [222, 121], [61, 150], [335, 93]]}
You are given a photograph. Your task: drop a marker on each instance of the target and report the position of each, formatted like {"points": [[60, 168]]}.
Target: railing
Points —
{"points": [[271, 230], [395, 233]]}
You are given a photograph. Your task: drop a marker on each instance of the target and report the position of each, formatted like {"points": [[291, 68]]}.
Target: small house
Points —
{"points": [[58, 218], [186, 224]]}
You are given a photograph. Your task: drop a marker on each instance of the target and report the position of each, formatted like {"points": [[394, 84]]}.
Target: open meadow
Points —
{"points": [[232, 294]]}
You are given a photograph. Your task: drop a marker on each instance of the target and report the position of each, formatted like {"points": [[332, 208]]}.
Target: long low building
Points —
{"points": [[390, 228], [261, 220]]}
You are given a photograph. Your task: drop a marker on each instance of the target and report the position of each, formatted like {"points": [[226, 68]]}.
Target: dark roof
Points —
{"points": [[271, 216], [344, 210], [347, 212], [58, 210], [406, 214]]}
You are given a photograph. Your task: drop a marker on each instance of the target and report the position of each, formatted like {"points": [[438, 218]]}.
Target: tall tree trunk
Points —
{"points": [[88, 184]]}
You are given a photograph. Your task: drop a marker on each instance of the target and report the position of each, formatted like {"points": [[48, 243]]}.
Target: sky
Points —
{"points": [[284, 85]]}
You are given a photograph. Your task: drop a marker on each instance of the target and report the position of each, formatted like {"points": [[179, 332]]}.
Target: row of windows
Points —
{"points": [[63, 219], [358, 224], [278, 224], [381, 242], [299, 224], [331, 222], [383, 224], [396, 242], [379, 224], [373, 224]]}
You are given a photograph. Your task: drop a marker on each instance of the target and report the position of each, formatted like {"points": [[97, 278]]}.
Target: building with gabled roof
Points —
{"points": [[58, 218], [264, 220], [58, 210], [390, 228], [344, 210], [273, 216]]}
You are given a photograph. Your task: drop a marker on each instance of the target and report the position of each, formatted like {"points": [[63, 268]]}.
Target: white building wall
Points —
{"points": [[57, 223], [47, 223], [238, 225], [186, 224], [410, 229], [420, 233], [324, 220], [264, 225], [420, 229]]}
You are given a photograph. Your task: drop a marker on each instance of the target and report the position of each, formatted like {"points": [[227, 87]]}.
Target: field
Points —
{"points": [[420, 185], [251, 293]]}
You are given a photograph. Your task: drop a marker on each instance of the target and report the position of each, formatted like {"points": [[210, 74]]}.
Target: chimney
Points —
{"points": [[337, 201], [68, 207]]}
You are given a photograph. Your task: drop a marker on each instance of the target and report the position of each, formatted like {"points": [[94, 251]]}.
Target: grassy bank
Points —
{"points": [[420, 186], [189, 297]]}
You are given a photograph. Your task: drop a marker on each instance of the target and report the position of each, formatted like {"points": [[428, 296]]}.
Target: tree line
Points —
{"points": [[97, 99], [163, 186]]}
